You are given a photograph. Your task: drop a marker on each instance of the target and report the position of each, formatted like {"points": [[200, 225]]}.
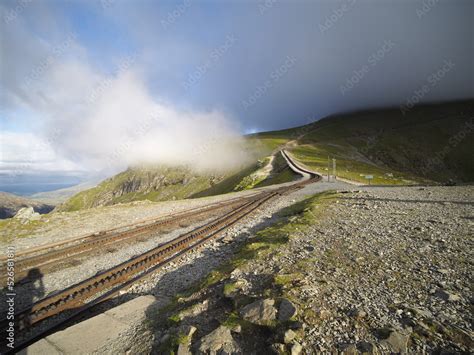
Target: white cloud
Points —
{"points": [[110, 122], [122, 124], [22, 153]]}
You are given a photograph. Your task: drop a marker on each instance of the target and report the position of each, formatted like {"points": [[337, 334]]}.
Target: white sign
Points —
{"points": [[369, 177]]}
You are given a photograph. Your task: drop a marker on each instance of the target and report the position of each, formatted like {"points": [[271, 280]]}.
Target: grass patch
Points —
{"points": [[12, 228], [174, 319], [233, 320], [316, 157], [170, 346], [229, 288], [286, 279]]}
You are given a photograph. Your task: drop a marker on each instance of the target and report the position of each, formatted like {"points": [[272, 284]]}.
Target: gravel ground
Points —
{"points": [[185, 271], [386, 269], [176, 276]]}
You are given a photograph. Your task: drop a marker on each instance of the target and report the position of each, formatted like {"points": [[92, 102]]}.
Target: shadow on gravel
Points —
{"points": [[36, 291], [186, 278]]}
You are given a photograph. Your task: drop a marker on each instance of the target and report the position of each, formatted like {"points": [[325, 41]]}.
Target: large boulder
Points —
{"points": [[259, 312], [219, 341], [395, 340], [27, 214], [286, 311]]}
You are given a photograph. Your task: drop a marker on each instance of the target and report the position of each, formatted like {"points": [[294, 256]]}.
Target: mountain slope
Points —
{"points": [[10, 204], [162, 183], [430, 142]]}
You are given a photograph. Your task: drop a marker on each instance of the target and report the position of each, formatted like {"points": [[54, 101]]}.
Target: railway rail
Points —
{"points": [[62, 306], [48, 257]]}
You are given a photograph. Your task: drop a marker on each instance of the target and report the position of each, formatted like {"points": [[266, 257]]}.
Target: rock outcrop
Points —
{"points": [[259, 312], [219, 341], [10, 204]]}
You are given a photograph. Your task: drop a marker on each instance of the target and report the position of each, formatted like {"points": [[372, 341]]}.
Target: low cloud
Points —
{"points": [[111, 122], [24, 152], [75, 115]]}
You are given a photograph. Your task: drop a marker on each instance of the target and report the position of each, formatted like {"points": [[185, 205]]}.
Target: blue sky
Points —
{"points": [[79, 77]]}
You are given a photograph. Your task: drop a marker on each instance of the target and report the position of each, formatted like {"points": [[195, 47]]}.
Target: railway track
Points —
{"points": [[62, 306], [50, 256]]}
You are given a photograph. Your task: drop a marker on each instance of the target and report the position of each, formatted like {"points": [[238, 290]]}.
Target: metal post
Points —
{"points": [[328, 167], [334, 168]]}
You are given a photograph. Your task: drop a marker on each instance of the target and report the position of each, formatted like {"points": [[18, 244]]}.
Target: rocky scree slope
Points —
{"points": [[375, 271]]}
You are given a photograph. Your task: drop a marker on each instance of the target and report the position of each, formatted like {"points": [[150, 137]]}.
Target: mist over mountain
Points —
{"points": [[429, 144]]}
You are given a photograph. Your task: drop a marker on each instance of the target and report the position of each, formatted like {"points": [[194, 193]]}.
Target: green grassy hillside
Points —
{"points": [[430, 142], [134, 184], [164, 183]]}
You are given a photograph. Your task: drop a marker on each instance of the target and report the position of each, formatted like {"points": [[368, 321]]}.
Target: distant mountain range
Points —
{"points": [[42, 202], [56, 197], [428, 143], [10, 204]]}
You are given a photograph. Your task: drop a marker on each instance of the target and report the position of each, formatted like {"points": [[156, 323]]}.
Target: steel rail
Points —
{"points": [[73, 295], [203, 235]]}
